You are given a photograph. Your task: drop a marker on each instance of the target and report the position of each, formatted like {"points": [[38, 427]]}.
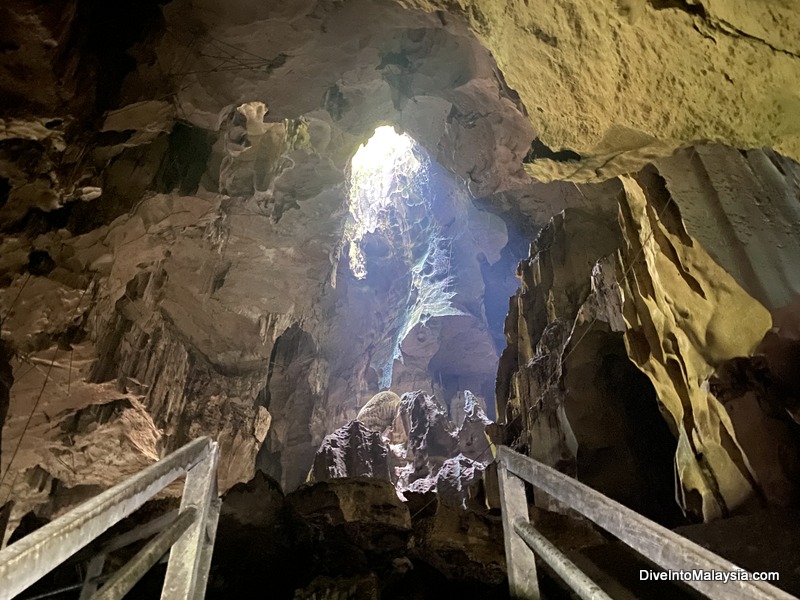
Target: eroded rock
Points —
{"points": [[351, 451]]}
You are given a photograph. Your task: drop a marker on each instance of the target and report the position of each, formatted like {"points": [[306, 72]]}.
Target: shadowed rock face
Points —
{"points": [[352, 538], [426, 452], [351, 451]]}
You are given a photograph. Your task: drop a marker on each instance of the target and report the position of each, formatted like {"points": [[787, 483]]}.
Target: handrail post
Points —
{"points": [[191, 554], [523, 583]]}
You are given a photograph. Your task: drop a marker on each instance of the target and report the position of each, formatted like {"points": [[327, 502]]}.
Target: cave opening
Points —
{"points": [[414, 249]]}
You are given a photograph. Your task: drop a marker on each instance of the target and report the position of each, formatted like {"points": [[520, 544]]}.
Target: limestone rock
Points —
{"points": [[569, 394], [352, 500], [582, 71], [432, 437], [380, 412], [756, 399], [251, 513], [351, 451], [740, 207], [421, 452], [464, 545], [473, 439], [459, 482], [356, 524], [686, 316], [351, 538]]}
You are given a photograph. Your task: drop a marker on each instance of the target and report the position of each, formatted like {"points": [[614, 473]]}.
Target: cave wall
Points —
{"points": [[719, 404], [567, 391]]}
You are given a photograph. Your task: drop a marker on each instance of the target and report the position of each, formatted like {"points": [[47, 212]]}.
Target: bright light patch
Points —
{"points": [[378, 172], [391, 196], [385, 147]]}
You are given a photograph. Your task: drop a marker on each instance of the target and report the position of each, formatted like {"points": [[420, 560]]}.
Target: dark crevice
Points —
{"points": [[5, 190], [539, 150], [684, 5], [335, 102], [40, 263], [110, 30], [399, 59], [184, 164]]}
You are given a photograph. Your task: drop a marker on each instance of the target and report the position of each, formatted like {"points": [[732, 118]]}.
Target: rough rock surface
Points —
{"points": [[686, 316], [422, 451], [174, 197], [172, 207], [568, 393], [582, 71], [741, 206], [351, 451]]}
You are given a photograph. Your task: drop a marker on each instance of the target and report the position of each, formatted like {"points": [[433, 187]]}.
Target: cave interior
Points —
{"points": [[362, 243]]}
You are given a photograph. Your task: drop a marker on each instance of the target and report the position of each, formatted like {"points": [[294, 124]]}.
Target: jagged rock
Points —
{"points": [[473, 437], [351, 538], [357, 525], [422, 452], [738, 206], [459, 482], [432, 437], [170, 246], [571, 397], [722, 56], [351, 451], [352, 501], [753, 397], [686, 316]]}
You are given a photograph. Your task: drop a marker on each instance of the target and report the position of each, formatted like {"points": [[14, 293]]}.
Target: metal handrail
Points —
{"points": [[665, 548], [26, 561]]}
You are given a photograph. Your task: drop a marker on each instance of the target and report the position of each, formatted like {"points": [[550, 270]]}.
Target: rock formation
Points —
{"points": [[583, 294], [422, 451], [352, 538], [583, 71], [351, 451]]}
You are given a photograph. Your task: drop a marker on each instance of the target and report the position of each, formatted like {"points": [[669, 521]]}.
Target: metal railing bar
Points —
{"points": [[125, 578], [96, 564], [112, 544], [140, 533], [204, 562], [26, 561], [567, 570], [183, 579], [56, 592], [92, 580], [664, 547]]}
